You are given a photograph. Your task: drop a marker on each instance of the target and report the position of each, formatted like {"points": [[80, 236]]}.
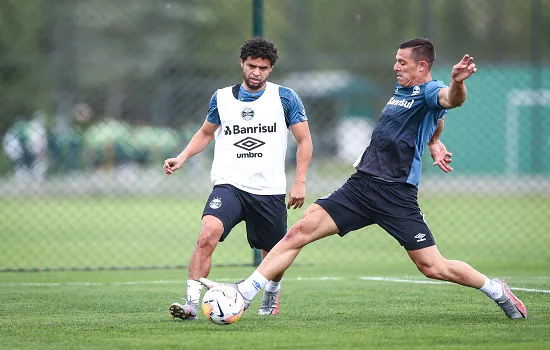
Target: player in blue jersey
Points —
{"points": [[384, 189], [250, 123]]}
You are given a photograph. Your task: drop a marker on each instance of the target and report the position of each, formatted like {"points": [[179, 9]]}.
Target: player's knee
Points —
{"points": [[430, 270], [311, 209], [209, 237], [431, 273], [296, 237]]}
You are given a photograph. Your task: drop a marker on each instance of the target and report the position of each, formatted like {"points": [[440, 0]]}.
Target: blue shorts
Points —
{"points": [[365, 200], [265, 216]]}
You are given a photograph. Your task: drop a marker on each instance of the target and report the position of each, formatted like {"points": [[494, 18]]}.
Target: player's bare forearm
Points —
{"points": [[198, 143], [297, 195], [457, 93], [200, 140], [438, 151], [438, 131], [303, 158], [305, 150]]}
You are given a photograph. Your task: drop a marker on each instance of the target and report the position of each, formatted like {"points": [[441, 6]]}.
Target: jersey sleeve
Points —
{"points": [[292, 105], [432, 89], [213, 116]]}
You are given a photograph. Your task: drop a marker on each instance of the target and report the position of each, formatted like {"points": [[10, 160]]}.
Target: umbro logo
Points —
{"points": [[249, 143], [256, 285], [420, 237]]}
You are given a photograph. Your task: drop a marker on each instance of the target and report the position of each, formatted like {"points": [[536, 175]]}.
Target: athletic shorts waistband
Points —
{"points": [[382, 181]]}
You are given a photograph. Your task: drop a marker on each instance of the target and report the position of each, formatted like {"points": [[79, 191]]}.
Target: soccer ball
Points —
{"points": [[222, 305]]}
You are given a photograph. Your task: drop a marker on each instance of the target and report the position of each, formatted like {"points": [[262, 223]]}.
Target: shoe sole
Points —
{"points": [[177, 312], [519, 305]]}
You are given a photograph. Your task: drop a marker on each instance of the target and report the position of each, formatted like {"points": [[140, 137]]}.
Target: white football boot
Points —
{"points": [[186, 312]]}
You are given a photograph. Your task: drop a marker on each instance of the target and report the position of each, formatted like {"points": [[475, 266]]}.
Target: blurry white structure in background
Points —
{"points": [[353, 136]]}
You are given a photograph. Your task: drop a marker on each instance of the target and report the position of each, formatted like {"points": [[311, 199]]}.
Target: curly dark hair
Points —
{"points": [[258, 47]]}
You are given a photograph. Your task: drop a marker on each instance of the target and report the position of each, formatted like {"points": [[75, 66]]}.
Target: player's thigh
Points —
{"points": [[314, 225], [224, 204], [411, 233], [396, 210], [427, 257], [266, 220], [346, 214]]}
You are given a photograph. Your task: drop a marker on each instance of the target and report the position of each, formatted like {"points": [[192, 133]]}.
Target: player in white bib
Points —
{"points": [[249, 123]]}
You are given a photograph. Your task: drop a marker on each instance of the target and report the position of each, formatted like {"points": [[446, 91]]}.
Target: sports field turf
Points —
{"points": [[321, 309], [332, 297]]}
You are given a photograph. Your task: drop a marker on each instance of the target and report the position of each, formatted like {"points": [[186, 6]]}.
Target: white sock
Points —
{"points": [[252, 285], [273, 287], [194, 289], [492, 289]]}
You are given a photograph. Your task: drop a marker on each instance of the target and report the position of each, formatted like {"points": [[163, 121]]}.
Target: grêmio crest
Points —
{"points": [[247, 114]]}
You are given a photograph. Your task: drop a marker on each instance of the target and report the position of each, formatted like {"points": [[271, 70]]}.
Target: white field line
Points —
{"points": [[399, 280], [299, 279]]}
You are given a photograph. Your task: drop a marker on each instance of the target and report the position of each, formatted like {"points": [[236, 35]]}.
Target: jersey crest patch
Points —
{"points": [[247, 114], [215, 203]]}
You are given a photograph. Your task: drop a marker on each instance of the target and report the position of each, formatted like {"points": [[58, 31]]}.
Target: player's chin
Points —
{"points": [[255, 86]]}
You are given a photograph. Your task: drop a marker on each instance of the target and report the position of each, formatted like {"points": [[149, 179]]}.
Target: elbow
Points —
{"points": [[457, 102]]}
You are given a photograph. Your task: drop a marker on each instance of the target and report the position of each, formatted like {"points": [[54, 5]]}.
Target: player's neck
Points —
{"points": [[423, 79], [419, 80]]}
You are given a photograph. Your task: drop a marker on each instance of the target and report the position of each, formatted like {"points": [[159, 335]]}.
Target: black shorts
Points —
{"points": [[365, 200], [265, 216]]}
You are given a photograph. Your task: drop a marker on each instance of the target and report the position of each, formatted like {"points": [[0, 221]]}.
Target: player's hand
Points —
{"points": [[463, 69], [171, 165], [440, 155], [297, 195]]}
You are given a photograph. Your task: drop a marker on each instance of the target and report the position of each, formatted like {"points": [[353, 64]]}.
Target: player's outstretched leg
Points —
{"points": [[211, 284], [433, 265], [187, 311], [509, 303]]}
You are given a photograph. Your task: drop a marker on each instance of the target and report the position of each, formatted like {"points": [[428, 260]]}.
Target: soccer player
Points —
{"points": [[384, 189], [250, 124]]}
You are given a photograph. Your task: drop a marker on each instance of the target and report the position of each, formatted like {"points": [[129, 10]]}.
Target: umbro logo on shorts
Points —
{"points": [[420, 237]]}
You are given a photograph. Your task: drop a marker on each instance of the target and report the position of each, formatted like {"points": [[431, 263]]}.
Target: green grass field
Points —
{"points": [[129, 310], [495, 233], [326, 303]]}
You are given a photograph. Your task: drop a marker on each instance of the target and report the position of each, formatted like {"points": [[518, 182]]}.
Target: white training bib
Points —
{"points": [[251, 143]]}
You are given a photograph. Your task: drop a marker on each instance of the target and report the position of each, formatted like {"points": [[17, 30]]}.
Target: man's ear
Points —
{"points": [[241, 62], [423, 66]]}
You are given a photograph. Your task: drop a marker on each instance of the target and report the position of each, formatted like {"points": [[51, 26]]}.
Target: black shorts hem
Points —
{"points": [[323, 203], [414, 247], [224, 223]]}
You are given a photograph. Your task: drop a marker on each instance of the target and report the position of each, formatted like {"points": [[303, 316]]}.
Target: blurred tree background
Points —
{"points": [[157, 62]]}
